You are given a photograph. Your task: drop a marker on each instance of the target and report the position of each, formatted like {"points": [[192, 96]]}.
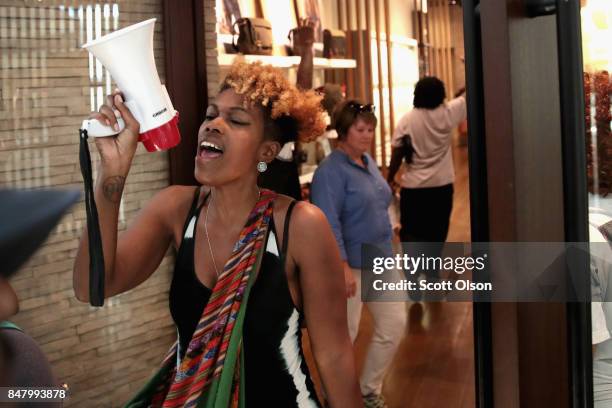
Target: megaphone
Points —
{"points": [[128, 56]]}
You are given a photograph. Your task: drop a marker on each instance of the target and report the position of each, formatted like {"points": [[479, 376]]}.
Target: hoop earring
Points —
{"points": [[262, 166]]}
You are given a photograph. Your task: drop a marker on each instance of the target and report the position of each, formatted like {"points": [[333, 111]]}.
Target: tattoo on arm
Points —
{"points": [[113, 188]]}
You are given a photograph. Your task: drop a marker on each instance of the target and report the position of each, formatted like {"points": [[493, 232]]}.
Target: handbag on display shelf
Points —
{"points": [[254, 36], [334, 43]]}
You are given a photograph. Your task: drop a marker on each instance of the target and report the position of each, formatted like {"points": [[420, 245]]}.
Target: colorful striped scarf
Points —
{"points": [[211, 375]]}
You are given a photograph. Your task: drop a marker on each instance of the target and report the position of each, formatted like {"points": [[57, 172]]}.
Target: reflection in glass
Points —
{"points": [[597, 56], [596, 24]]}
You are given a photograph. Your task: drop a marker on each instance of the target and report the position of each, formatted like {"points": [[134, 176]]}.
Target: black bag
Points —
{"points": [[254, 36], [334, 43], [407, 149]]}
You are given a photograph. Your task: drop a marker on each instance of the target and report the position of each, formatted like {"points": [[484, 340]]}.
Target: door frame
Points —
{"points": [[527, 354], [186, 80]]}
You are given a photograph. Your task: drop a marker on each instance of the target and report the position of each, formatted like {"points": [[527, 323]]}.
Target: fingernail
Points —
{"points": [[118, 99], [116, 127]]}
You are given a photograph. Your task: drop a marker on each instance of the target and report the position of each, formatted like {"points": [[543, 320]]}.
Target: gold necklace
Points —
{"points": [[212, 256]]}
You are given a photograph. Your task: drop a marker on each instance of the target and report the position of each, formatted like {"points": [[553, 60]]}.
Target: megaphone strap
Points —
{"points": [[96, 253]]}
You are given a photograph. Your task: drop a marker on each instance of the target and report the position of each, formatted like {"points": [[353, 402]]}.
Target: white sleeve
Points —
{"points": [[599, 327], [457, 110], [399, 132]]}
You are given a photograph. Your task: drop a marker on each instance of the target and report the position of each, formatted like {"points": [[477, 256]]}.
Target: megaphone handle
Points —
{"points": [[96, 129]]}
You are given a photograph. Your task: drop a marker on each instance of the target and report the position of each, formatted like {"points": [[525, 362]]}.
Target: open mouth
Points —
{"points": [[209, 150]]}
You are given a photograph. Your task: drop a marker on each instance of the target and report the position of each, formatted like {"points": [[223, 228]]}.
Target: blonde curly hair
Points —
{"points": [[298, 114]]}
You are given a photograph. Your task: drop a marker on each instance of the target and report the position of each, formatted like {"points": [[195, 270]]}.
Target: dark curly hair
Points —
{"points": [[429, 93], [289, 113]]}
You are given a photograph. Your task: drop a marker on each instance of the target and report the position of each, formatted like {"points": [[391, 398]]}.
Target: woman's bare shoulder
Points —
{"points": [[311, 234], [304, 214], [308, 226], [173, 202], [175, 195], [309, 216]]}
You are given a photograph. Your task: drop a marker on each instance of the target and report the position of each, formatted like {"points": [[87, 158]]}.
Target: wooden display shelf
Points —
{"points": [[225, 60]]}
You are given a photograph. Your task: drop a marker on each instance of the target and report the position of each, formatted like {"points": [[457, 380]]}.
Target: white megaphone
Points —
{"points": [[128, 56]]}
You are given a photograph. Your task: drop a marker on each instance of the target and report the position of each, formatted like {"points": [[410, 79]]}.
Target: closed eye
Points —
{"points": [[211, 112], [210, 117]]}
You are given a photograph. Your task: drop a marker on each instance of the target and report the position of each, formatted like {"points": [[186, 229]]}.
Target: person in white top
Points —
{"points": [[600, 225], [423, 140]]}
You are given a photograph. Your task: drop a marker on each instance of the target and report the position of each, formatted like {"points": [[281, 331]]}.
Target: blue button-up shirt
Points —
{"points": [[355, 200]]}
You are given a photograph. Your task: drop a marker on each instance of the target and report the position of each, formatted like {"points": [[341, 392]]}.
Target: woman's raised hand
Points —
{"points": [[116, 152]]}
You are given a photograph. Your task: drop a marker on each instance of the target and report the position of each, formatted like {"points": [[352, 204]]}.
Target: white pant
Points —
{"points": [[389, 326]]}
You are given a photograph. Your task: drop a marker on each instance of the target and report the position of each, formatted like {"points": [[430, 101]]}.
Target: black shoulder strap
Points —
{"points": [[286, 231], [194, 204], [192, 210], [96, 253], [407, 148]]}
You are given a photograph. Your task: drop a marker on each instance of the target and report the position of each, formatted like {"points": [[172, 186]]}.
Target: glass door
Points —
{"points": [[596, 31]]}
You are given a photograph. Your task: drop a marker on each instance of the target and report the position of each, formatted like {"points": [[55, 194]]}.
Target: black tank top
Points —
{"points": [[276, 374]]}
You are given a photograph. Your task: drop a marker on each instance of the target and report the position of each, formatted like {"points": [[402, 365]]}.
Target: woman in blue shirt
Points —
{"points": [[354, 196]]}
